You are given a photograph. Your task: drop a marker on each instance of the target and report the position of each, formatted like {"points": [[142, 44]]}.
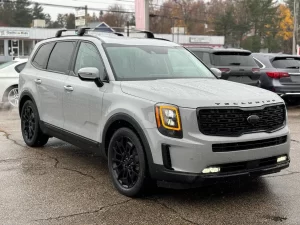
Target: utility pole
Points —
{"points": [[295, 35], [127, 24], [86, 14]]}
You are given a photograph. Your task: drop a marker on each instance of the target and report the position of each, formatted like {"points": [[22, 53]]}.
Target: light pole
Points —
{"points": [[296, 7]]}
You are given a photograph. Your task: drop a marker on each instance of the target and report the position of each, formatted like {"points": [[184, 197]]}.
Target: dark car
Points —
{"points": [[279, 73], [235, 64]]}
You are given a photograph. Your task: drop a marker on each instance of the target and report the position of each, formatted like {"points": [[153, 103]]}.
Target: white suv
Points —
{"points": [[152, 108]]}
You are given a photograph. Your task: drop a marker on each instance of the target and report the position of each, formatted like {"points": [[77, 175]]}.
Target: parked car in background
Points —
{"points": [[280, 74], [235, 64], [9, 79]]}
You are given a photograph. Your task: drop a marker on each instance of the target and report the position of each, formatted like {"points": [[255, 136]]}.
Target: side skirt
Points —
{"points": [[74, 139]]}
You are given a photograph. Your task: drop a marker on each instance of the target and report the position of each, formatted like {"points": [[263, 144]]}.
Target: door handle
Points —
{"points": [[38, 81], [69, 88]]}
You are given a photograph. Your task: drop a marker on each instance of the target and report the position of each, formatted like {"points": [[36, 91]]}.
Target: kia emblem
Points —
{"points": [[253, 119]]}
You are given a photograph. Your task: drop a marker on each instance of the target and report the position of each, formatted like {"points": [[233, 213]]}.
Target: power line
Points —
{"points": [[73, 7]]}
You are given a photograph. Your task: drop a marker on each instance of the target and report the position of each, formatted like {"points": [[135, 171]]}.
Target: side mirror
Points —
{"points": [[217, 72], [90, 74]]}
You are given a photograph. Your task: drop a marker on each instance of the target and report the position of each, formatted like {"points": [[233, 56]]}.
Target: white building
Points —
{"points": [[19, 42]]}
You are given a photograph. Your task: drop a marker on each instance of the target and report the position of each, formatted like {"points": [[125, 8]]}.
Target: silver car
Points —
{"points": [[153, 109]]}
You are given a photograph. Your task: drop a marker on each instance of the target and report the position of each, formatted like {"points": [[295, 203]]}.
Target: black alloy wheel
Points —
{"points": [[31, 131], [126, 162], [28, 122]]}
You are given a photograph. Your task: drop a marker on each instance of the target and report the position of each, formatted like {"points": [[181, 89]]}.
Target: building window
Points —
{"points": [[1, 47], [28, 47]]}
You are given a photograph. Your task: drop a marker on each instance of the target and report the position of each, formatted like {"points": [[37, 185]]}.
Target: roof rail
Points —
{"points": [[81, 31], [149, 34], [162, 39], [59, 32], [118, 34]]}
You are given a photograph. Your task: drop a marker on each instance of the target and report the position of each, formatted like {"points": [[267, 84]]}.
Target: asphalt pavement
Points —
{"points": [[62, 184]]}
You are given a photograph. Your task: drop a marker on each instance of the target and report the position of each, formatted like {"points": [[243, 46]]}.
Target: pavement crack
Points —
{"points": [[7, 136], [173, 210], [84, 213]]}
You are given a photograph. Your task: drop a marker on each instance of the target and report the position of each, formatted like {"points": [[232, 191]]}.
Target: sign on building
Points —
{"points": [[79, 22], [80, 13], [15, 33], [200, 40]]}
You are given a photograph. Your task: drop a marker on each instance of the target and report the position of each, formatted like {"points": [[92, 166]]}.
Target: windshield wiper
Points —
{"points": [[235, 64], [292, 67]]}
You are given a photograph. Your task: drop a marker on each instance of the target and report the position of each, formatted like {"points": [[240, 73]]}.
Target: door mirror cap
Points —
{"points": [[89, 74], [217, 72]]}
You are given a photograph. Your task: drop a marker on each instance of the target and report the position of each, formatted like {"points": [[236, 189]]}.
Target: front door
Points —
{"points": [[83, 99]]}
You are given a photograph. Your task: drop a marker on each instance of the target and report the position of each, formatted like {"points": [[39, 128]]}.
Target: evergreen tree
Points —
{"points": [[37, 12], [23, 13], [70, 21]]}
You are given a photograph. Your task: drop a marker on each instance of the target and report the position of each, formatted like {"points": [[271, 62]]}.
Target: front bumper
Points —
{"points": [[160, 173]]}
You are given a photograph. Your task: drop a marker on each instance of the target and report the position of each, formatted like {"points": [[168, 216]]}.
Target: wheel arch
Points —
{"points": [[124, 120], [26, 95]]}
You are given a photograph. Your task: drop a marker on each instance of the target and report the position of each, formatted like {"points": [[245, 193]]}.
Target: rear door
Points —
{"points": [[237, 66], [51, 81]]}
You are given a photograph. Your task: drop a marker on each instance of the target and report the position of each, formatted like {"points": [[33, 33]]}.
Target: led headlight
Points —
{"points": [[168, 120]]}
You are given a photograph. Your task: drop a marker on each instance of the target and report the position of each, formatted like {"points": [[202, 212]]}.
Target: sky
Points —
{"points": [[98, 4]]}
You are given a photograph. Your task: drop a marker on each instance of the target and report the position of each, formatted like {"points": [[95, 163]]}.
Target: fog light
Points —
{"points": [[281, 159], [212, 170]]}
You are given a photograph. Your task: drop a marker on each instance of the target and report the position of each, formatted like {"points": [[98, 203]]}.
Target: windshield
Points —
{"points": [[292, 63], [154, 62], [233, 59], [6, 64]]}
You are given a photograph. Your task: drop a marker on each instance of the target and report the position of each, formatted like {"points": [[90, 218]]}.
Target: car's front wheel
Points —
{"points": [[126, 162], [31, 131]]}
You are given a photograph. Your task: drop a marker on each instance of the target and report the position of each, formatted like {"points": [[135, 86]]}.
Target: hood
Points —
{"points": [[194, 93]]}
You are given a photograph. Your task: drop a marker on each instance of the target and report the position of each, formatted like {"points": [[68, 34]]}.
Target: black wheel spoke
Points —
{"points": [[28, 123], [125, 162]]}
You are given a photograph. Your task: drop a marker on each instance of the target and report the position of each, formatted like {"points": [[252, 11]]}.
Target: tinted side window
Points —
{"points": [[61, 56], [41, 58], [20, 67], [88, 56]]}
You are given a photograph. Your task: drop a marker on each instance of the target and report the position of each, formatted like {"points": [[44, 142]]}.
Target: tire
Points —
{"points": [[127, 163], [31, 131], [11, 97]]}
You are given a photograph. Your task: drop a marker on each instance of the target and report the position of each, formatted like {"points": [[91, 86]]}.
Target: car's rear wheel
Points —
{"points": [[31, 132], [13, 96], [127, 163]]}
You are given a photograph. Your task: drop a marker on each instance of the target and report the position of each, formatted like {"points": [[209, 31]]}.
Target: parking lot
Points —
{"points": [[62, 184]]}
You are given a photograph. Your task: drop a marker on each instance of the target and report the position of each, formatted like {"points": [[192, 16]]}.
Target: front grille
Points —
{"points": [[248, 165], [233, 121], [239, 146]]}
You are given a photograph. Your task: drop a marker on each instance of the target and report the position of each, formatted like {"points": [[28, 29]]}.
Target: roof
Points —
{"points": [[136, 41], [273, 55], [114, 39], [220, 50]]}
